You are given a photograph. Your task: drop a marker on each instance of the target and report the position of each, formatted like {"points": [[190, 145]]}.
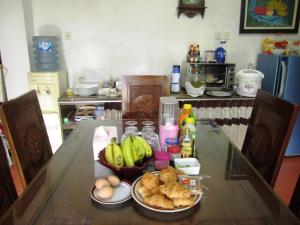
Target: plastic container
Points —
{"points": [[45, 53], [168, 119], [162, 160], [189, 166], [175, 81]]}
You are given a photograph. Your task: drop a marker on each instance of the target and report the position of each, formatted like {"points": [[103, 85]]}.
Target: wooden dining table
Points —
{"points": [[233, 192]]}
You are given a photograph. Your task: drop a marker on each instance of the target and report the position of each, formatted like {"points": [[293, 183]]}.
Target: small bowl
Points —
{"points": [[192, 91], [189, 166], [124, 172]]}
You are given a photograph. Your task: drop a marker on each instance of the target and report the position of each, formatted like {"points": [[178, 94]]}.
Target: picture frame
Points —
{"points": [[269, 16]]}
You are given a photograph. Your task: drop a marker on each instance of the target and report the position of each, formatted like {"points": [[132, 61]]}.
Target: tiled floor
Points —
{"points": [[287, 178]]}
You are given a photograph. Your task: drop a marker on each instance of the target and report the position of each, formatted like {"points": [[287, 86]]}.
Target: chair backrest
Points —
{"points": [[8, 193], [140, 95], [269, 130], [295, 200], [27, 135]]}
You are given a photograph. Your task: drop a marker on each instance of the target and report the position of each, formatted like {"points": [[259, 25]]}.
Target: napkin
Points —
{"points": [[102, 137]]}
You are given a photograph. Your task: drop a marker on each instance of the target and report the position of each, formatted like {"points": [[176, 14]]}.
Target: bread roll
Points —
{"points": [[105, 193], [100, 183]]}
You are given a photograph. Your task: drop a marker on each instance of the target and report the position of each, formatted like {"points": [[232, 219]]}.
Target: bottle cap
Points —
{"points": [[172, 141], [187, 106], [176, 69]]}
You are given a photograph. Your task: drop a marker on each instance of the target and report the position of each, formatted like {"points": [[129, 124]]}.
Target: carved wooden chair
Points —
{"points": [[295, 200], [269, 130], [8, 193], [140, 95], [27, 135]]}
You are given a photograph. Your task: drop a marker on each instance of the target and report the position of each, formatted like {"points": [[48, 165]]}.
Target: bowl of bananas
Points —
{"points": [[129, 159]]}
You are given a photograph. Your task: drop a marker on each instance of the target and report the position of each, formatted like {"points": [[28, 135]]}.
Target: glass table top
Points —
{"points": [[234, 193]]}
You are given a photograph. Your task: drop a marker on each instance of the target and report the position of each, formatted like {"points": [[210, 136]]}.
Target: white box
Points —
{"points": [[189, 166]]}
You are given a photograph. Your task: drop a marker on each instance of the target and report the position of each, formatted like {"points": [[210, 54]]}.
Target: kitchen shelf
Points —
{"points": [[68, 105]]}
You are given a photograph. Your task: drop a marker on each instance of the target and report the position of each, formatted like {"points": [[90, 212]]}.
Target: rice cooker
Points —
{"points": [[248, 82]]}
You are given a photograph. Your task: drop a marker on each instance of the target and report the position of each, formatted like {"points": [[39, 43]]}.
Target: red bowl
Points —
{"points": [[124, 172]]}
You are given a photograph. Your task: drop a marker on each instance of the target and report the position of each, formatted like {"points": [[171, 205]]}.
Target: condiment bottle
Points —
{"points": [[186, 144], [190, 124]]}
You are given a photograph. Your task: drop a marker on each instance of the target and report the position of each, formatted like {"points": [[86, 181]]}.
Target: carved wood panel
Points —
{"points": [[140, 97], [27, 134], [268, 133]]}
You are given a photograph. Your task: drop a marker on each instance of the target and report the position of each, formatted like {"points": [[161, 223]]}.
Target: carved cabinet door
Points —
{"points": [[141, 94]]}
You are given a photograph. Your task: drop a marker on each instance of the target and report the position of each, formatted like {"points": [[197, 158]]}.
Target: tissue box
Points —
{"points": [[102, 137]]}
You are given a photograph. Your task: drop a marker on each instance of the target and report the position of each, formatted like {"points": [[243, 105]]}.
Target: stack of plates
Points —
{"points": [[219, 93]]}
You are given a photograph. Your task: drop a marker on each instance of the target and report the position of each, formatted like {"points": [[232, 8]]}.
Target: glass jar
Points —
{"points": [[171, 142], [197, 81], [174, 151]]}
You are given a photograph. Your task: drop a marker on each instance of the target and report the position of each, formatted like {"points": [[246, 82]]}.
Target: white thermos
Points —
{"points": [[175, 81]]}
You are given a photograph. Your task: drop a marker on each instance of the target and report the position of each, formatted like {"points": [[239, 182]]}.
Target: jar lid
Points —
{"points": [[174, 149], [172, 141]]}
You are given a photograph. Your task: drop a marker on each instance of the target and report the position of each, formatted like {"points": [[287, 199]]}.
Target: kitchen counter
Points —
{"points": [[182, 96]]}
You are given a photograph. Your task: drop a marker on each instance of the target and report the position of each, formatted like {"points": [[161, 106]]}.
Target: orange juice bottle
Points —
{"points": [[186, 111]]}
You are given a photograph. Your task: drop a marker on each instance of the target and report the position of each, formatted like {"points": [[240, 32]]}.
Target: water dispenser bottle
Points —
{"points": [[45, 53], [168, 119]]}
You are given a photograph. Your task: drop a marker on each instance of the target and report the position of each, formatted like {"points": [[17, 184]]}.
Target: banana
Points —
{"points": [[145, 145], [134, 151], [118, 155], [127, 152], [139, 148], [109, 154]]}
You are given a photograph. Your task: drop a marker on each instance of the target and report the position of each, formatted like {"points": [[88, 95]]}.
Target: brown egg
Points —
{"points": [[105, 192], [113, 180], [100, 183]]}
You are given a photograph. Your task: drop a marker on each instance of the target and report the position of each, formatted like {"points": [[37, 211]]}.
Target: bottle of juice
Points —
{"points": [[186, 111]]}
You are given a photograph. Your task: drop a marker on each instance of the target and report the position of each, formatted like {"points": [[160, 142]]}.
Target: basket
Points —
{"points": [[125, 172]]}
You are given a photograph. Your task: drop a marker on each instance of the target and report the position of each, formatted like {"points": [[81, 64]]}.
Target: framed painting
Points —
{"points": [[269, 16]]}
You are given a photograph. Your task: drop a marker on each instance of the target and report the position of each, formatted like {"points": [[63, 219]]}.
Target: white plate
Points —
{"points": [[121, 194], [219, 93], [139, 199]]}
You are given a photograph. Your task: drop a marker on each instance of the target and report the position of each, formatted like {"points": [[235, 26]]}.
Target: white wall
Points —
{"points": [[138, 36], [13, 46]]}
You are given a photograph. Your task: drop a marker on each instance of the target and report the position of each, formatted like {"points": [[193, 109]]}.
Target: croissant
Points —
{"points": [[159, 200], [168, 175], [150, 181], [174, 190], [145, 192], [182, 202]]}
